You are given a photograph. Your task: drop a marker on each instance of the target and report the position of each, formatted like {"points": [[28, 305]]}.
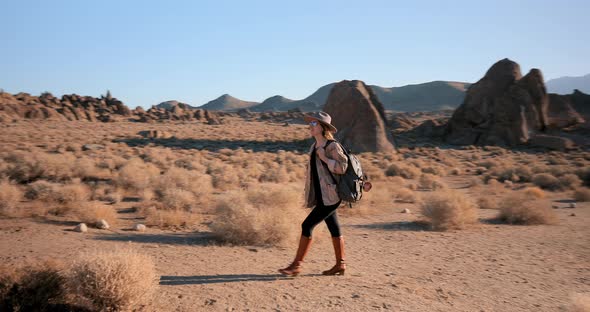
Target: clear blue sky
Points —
{"points": [[194, 51]]}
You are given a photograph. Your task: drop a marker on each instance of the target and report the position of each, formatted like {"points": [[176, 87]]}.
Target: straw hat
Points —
{"points": [[321, 117]]}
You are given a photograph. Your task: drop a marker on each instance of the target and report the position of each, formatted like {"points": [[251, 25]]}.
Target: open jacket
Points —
{"points": [[337, 164]]}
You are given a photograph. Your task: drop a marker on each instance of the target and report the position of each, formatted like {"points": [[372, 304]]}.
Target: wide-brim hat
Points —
{"points": [[321, 117]]}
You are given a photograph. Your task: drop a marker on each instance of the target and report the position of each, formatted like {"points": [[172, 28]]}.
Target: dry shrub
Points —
{"points": [[91, 212], [118, 280], [407, 172], [405, 195], [86, 169], [63, 198], [397, 181], [569, 181], [36, 287], [40, 190], [430, 182], [180, 188], [582, 194], [223, 176], [487, 202], [163, 218], [579, 303], [534, 192], [546, 181], [137, 175], [448, 209], [264, 216], [10, 196], [519, 208], [381, 196]]}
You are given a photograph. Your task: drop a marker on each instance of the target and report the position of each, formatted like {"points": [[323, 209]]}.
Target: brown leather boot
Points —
{"points": [[295, 268], [340, 266]]}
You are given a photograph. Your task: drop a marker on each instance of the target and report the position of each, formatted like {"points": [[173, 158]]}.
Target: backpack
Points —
{"points": [[350, 184]]}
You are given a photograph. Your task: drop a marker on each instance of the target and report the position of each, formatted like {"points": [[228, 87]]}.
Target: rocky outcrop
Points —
{"points": [[502, 108], [359, 117], [68, 107], [560, 113], [179, 113]]}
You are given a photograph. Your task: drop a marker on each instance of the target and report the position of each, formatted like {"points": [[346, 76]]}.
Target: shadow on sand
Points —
{"points": [[216, 145], [213, 279], [396, 226], [197, 239]]}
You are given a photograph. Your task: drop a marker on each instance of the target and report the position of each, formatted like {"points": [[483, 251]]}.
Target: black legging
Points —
{"points": [[322, 213]]}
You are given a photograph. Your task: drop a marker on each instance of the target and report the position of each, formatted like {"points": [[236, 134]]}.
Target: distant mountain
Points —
{"points": [[566, 85], [169, 104], [314, 102], [430, 96], [227, 102]]}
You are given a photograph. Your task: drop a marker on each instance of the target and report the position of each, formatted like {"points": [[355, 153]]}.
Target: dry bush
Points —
{"points": [[91, 212], [487, 202], [40, 190], [448, 209], [118, 280], [223, 176], [519, 208], [183, 189], [582, 194], [579, 303], [63, 198], [36, 287], [397, 181], [533, 192], [137, 175], [406, 172], [158, 216], [265, 216], [514, 174], [456, 171], [430, 182], [380, 197], [405, 195], [569, 181], [10, 196], [546, 181], [86, 169]]}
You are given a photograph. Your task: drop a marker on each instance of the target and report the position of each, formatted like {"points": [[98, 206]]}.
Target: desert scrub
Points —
{"points": [[10, 196], [114, 280], [582, 194], [520, 208], [263, 216], [448, 209]]}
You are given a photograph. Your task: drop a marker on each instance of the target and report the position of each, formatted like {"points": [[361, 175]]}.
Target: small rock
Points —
{"points": [[92, 147], [210, 301], [82, 228], [572, 205], [573, 215], [139, 227], [406, 210], [354, 296], [102, 224], [554, 207]]}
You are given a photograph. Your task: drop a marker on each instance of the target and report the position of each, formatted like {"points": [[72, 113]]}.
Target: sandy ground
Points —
{"points": [[393, 264]]}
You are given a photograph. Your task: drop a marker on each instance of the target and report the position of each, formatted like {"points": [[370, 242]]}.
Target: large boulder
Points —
{"points": [[502, 108], [359, 117]]}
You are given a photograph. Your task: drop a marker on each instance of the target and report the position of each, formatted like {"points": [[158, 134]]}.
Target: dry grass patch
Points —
{"points": [[406, 172], [36, 287], [448, 209], [10, 196], [164, 218], [487, 202], [136, 175], [405, 195], [520, 208], [119, 280], [582, 194], [91, 212], [534, 192], [430, 182], [268, 215]]}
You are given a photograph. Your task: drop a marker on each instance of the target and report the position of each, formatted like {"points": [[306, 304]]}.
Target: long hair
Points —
{"points": [[327, 133]]}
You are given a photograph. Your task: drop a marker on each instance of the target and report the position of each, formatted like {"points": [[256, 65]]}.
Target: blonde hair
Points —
{"points": [[326, 132]]}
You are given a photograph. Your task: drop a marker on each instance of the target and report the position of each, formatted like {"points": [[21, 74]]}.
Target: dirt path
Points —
{"points": [[393, 264]]}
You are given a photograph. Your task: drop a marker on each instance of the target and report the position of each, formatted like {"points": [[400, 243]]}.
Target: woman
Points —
{"points": [[326, 159]]}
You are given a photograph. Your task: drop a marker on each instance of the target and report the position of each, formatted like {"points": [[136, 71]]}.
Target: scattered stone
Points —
{"points": [[139, 227], [102, 224], [81, 228], [573, 215], [92, 147], [572, 205], [406, 210]]}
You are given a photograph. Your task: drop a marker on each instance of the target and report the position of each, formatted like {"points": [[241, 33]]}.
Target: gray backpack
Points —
{"points": [[350, 184]]}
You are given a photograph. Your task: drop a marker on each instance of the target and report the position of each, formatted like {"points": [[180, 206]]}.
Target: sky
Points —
{"points": [[147, 52]]}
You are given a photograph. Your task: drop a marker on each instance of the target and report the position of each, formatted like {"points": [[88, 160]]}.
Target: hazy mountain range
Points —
{"points": [[429, 96], [566, 85]]}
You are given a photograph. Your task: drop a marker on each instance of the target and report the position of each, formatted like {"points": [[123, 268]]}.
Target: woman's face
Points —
{"points": [[315, 128]]}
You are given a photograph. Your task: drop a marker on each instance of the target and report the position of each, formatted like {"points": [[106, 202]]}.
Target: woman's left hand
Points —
{"points": [[321, 152]]}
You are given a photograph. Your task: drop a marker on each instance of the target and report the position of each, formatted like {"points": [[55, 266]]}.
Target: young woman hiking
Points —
{"points": [[326, 158]]}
